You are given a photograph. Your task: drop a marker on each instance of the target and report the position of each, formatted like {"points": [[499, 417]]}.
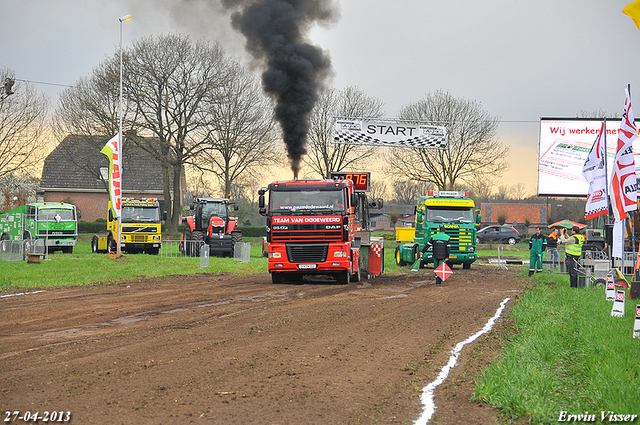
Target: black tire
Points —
{"points": [[356, 276], [600, 282], [466, 266], [416, 254], [5, 243], [111, 244], [344, 278], [186, 240], [94, 244], [399, 261], [276, 278], [67, 250], [152, 251], [197, 239]]}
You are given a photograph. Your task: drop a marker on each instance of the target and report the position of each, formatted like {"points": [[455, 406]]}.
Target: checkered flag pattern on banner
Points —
{"points": [[426, 141]]}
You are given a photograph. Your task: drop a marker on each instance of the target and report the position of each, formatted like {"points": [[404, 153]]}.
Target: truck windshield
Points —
{"points": [[450, 215], [307, 202], [144, 214], [55, 214]]}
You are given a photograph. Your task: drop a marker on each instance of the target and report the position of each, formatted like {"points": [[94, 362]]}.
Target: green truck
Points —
{"points": [[456, 212], [53, 223]]}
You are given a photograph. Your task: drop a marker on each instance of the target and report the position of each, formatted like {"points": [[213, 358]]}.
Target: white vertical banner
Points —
{"points": [[618, 234]]}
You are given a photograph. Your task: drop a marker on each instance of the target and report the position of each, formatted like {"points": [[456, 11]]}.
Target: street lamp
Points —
{"points": [[122, 19]]}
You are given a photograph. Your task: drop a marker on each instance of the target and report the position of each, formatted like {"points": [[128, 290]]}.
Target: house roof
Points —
{"points": [[76, 162]]}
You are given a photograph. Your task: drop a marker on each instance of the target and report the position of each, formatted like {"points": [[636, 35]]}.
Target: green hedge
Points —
{"points": [[98, 226], [253, 231]]}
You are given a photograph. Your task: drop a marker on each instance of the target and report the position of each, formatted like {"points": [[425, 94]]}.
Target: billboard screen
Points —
{"points": [[564, 146]]}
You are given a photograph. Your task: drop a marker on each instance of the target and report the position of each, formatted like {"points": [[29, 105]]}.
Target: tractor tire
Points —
{"points": [[236, 238], [197, 240], [186, 241], [399, 261]]}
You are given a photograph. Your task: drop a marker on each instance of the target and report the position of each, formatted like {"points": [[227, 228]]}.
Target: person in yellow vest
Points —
{"points": [[574, 251]]}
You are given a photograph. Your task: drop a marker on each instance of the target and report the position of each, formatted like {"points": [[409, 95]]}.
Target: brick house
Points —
{"points": [[535, 214], [76, 169]]}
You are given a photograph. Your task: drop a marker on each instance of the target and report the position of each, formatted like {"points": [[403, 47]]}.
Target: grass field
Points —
{"points": [[565, 353]]}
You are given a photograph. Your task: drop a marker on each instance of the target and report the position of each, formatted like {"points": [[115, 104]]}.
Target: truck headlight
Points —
{"points": [[275, 255], [339, 254], [471, 248], [156, 238]]}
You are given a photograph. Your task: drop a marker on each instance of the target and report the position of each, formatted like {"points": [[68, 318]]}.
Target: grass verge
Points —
{"points": [[565, 353]]}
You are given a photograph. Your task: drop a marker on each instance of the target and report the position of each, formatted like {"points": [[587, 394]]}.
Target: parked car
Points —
{"points": [[498, 234]]}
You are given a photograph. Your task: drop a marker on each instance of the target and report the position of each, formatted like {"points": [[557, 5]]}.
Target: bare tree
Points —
{"points": [[378, 189], [472, 152], [325, 156], [173, 83], [22, 121], [408, 192], [240, 130]]}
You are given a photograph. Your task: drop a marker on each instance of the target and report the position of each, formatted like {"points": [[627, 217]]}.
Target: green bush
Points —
{"points": [[98, 226], [253, 231]]}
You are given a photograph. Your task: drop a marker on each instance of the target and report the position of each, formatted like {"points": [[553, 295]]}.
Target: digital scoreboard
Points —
{"points": [[360, 180]]}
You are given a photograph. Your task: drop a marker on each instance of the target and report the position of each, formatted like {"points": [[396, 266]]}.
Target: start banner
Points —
{"points": [[389, 133]]}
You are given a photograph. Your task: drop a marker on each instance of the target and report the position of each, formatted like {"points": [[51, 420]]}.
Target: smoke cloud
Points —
{"points": [[294, 70]]}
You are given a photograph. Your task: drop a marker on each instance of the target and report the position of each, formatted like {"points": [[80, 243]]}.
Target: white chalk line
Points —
{"points": [[427, 392], [20, 293]]}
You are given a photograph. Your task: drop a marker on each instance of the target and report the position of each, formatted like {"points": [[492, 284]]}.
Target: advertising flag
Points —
{"points": [[633, 10], [624, 185], [112, 150], [595, 172]]}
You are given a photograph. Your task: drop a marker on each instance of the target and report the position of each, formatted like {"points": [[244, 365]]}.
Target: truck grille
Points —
{"points": [[132, 229], [307, 253], [306, 232], [139, 238], [460, 237], [53, 232]]}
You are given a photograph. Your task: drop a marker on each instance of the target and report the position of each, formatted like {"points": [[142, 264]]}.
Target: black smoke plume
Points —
{"points": [[294, 70]]}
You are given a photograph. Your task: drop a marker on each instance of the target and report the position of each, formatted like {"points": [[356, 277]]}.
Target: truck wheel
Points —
{"points": [[152, 251], [111, 245], [466, 266], [356, 276], [344, 278], [4, 242], [67, 250], [276, 278], [399, 261], [94, 244], [416, 254]]}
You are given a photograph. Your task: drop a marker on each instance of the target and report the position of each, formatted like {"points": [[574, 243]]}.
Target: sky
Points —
{"points": [[520, 60]]}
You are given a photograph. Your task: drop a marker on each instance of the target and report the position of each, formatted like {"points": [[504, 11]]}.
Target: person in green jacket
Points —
{"points": [[537, 244], [441, 247]]}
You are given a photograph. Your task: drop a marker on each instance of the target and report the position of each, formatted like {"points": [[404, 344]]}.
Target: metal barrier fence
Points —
{"points": [[192, 249], [175, 249], [18, 250]]}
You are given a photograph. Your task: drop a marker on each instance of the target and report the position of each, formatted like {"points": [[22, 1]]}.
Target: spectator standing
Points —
{"points": [[537, 244], [552, 247], [574, 252]]}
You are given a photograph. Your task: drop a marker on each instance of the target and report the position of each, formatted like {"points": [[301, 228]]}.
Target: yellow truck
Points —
{"points": [[141, 228]]}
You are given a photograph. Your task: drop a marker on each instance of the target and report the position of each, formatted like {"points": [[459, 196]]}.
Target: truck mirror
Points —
{"points": [[354, 200], [478, 217], [261, 201], [110, 214], [261, 192], [262, 211], [79, 214], [164, 215], [235, 207]]}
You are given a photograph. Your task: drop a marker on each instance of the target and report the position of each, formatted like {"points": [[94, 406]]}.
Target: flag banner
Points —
{"points": [[443, 271], [633, 10], [389, 134], [595, 172], [112, 150], [624, 186]]}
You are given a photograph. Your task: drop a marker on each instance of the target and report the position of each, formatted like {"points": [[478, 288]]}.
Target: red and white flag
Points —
{"points": [[112, 150], [595, 172], [443, 271], [624, 186]]}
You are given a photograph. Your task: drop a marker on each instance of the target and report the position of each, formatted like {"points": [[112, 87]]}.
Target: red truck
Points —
{"points": [[320, 227]]}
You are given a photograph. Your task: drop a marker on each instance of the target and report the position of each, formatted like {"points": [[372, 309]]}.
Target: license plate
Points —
{"points": [[307, 266]]}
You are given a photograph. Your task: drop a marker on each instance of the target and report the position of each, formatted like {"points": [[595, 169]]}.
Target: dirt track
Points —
{"points": [[236, 349]]}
